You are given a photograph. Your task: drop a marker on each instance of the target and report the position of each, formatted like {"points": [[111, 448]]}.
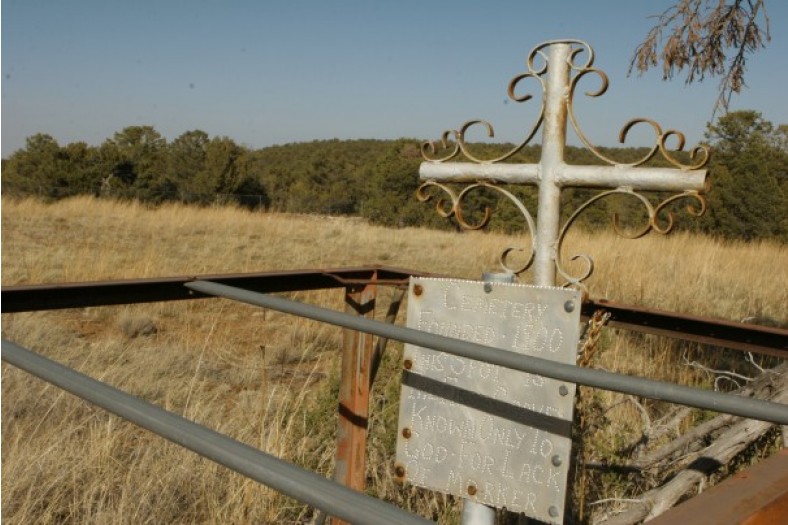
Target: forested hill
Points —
{"points": [[376, 179]]}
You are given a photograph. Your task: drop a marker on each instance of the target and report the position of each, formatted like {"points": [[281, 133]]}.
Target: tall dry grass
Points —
{"points": [[268, 379]]}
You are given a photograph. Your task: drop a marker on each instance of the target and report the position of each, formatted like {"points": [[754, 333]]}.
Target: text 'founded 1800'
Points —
{"points": [[475, 430]]}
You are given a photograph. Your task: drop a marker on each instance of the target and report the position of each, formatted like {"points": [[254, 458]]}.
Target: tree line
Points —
{"points": [[377, 179]]}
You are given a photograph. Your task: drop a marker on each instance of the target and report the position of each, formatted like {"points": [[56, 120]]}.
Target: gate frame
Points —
{"points": [[360, 357]]}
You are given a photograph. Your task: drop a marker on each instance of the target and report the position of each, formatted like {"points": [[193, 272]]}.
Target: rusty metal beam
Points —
{"points": [[738, 336], [354, 389], [27, 298], [758, 495], [746, 337]]}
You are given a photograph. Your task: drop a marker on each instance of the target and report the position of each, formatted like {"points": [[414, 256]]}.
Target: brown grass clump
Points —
{"points": [[268, 379]]}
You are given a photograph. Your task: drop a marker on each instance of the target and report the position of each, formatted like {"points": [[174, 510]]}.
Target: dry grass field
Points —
{"points": [[268, 379]]}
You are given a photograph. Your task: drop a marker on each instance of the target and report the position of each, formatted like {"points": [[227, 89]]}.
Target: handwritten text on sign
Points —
{"points": [[480, 431]]}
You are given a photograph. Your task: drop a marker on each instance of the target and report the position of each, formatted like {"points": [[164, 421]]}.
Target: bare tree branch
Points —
{"points": [[740, 433], [698, 35]]}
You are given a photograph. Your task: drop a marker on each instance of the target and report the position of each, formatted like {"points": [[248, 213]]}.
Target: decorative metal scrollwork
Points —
{"points": [[579, 63], [652, 224], [430, 149], [455, 210]]}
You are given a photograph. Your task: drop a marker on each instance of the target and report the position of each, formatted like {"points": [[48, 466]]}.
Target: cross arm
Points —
{"points": [[470, 172], [616, 176], [568, 175]]}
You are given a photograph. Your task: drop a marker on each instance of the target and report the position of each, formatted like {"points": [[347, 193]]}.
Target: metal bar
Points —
{"points": [[728, 334], [287, 478], [354, 387], [553, 143], [568, 175], [694, 397], [758, 495], [397, 297], [739, 336], [27, 298], [643, 178], [475, 513]]}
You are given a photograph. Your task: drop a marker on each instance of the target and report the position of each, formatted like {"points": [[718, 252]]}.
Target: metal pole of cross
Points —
{"points": [[552, 174], [557, 66]]}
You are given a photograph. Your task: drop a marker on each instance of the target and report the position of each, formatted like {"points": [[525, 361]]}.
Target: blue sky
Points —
{"points": [[279, 71]]}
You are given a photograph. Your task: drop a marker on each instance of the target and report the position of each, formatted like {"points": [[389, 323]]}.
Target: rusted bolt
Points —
{"points": [[406, 433], [399, 470], [418, 289], [472, 490], [408, 364], [563, 390], [553, 511], [569, 306]]}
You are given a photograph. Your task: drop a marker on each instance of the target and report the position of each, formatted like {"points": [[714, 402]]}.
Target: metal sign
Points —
{"points": [[480, 431]]}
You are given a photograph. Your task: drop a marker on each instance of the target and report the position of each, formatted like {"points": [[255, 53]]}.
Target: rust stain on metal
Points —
{"points": [[772, 514], [472, 490], [407, 364], [406, 433], [756, 496], [766, 340], [33, 297], [418, 289], [354, 389], [399, 471]]}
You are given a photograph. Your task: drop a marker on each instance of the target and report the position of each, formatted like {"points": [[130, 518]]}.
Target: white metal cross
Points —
{"points": [[552, 174]]}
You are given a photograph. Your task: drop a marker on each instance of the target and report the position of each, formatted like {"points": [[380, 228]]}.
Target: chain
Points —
{"points": [[592, 333], [586, 354]]}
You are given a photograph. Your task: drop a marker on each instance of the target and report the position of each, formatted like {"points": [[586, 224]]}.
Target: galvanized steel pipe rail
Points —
{"points": [[301, 484], [694, 397]]}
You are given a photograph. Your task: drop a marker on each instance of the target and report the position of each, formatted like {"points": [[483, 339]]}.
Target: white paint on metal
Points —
{"points": [[553, 144], [477, 430], [569, 175], [552, 174]]}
